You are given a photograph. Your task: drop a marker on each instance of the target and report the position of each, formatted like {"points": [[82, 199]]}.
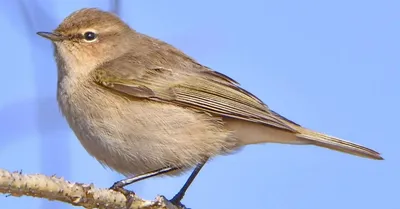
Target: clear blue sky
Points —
{"points": [[329, 65]]}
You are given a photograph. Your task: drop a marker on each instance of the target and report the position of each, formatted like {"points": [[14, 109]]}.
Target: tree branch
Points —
{"points": [[85, 195]]}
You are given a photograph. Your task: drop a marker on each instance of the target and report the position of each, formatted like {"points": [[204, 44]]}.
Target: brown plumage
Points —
{"points": [[138, 104]]}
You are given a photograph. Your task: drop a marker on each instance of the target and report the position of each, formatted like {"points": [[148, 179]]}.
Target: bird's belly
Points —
{"points": [[139, 136]]}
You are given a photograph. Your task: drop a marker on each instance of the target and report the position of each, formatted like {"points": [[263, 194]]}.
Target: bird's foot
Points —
{"points": [[129, 195], [176, 200]]}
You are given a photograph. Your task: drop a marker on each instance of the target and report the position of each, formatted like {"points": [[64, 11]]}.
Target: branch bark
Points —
{"points": [[85, 195]]}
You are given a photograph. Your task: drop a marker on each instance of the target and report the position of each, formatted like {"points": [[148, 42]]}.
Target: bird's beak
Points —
{"points": [[51, 36]]}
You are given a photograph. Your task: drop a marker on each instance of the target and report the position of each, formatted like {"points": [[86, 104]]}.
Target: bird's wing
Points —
{"points": [[204, 90], [210, 92]]}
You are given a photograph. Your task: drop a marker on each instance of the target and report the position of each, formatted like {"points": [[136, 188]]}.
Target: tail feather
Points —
{"points": [[337, 144]]}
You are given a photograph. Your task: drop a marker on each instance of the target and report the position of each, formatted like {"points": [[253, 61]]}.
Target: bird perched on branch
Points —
{"points": [[143, 107]]}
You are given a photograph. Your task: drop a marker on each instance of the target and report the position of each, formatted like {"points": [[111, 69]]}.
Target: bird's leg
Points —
{"points": [[119, 185], [125, 182], [176, 200]]}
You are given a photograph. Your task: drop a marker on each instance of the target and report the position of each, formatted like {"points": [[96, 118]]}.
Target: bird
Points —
{"points": [[145, 108]]}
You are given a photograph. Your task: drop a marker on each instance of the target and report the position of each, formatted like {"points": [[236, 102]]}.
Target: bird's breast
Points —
{"points": [[134, 136]]}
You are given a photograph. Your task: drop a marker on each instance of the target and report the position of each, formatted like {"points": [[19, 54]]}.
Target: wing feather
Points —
{"points": [[206, 90]]}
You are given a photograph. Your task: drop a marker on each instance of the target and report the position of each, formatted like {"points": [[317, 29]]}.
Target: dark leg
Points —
{"points": [[125, 182], [176, 200], [119, 185]]}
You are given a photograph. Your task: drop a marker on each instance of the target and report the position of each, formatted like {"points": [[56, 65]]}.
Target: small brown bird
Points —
{"points": [[142, 107]]}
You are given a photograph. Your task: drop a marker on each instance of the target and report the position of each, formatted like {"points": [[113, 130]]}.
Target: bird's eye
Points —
{"points": [[90, 36]]}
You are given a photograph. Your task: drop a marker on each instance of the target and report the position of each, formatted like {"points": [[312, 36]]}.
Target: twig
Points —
{"points": [[116, 6], [85, 195]]}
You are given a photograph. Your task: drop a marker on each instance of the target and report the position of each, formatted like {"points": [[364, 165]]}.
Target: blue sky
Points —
{"points": [[332, 66]]}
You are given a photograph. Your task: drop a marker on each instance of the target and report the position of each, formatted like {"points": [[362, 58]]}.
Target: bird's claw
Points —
{"points": [[129, 195], [177, 202]]}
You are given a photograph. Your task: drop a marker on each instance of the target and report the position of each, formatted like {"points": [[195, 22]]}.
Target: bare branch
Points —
{"points": [[115, 6], [85, 195]]}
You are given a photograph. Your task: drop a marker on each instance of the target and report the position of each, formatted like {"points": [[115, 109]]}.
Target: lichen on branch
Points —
{"points": [[85, 195]]}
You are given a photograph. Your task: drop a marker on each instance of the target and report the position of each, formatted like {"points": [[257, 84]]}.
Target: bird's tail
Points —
{"points": [[337, 144]]}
